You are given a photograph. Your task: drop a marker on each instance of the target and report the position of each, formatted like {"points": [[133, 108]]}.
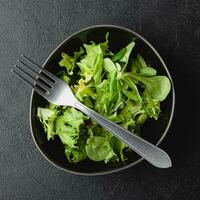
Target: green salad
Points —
{"points": [[123, 88]]}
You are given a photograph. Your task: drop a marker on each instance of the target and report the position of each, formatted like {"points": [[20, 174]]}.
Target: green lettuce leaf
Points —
{"points": [[67, 126], [102, 97], [109, 66], [130, 89], [118, 148], [151, 106], [99, 149], [69, 62], [119, 55], [92, 64], [158, 87], [128, 120], [83, 89], [123, 55], [75, 155], [140, 66], [47, 118], [105, 47]]}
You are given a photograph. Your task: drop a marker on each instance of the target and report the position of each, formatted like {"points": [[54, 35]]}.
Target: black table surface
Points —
{"points": [[36, 28]]}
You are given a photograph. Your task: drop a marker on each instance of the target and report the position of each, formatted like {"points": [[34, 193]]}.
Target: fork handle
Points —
{"points": [[148, 151]]}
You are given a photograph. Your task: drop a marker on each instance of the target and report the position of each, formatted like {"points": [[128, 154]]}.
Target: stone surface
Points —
{"points": [[36, 28]]}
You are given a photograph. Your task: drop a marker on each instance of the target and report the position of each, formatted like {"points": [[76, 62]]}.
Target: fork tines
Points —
{"points": [[38, 78]]}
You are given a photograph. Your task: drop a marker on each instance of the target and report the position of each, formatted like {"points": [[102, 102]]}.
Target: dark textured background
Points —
{"points": [[36, 28]]}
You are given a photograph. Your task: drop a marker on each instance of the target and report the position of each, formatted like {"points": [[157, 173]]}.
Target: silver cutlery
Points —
{"points": [[56, 91]]}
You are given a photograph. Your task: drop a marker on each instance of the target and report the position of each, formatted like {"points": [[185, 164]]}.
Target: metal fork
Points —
{"points": [[58, 92]]}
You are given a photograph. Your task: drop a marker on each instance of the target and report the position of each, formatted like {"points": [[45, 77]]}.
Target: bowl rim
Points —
{"points": [[172, 106]]}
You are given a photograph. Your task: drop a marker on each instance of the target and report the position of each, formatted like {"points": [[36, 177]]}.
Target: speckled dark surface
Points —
{"points": [[36, 28]]}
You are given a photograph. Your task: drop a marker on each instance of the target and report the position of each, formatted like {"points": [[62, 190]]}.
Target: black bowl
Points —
{"points": [[153, 131]]}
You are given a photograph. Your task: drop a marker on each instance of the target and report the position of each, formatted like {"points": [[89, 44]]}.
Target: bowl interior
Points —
{"points": [[152, 130]]}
